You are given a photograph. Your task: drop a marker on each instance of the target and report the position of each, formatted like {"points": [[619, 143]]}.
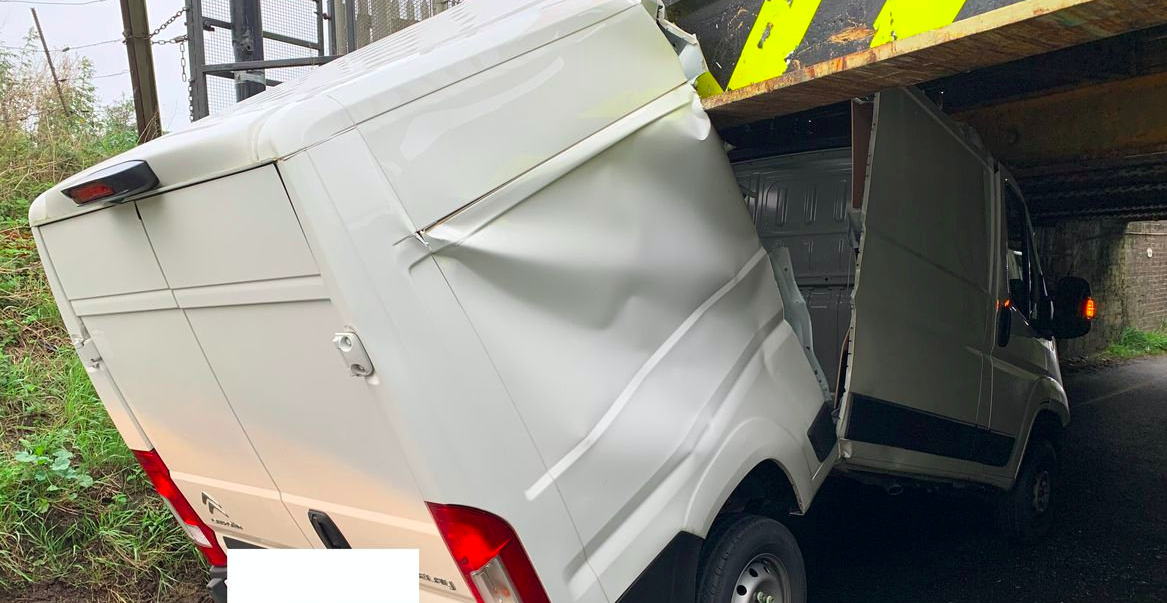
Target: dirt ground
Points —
{"points": [[60, 593]]}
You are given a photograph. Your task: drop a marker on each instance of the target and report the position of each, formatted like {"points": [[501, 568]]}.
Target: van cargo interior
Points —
{"points": [[911, 173], [803, 202]]}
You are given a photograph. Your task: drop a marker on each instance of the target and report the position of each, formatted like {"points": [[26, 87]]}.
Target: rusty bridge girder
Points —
{"points": [[1008, 33]]}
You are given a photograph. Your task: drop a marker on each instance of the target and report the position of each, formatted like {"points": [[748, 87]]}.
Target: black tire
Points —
{"points": [[743, 544], [1026, 513]]}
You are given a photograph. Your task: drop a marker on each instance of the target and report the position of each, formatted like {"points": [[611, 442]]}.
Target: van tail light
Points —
{"points": [[489, 555], [202, 535], [115, 184], [92, 191], [1089, 309]]}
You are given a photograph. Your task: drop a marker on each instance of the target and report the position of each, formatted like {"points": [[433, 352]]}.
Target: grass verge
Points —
{"points": [[1135, 343], [76, 514]]}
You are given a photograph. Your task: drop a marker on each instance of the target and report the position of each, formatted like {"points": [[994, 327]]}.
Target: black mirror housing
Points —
{"points": [[1074, 308]]}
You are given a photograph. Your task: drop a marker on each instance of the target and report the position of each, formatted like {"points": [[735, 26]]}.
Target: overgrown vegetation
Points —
{"points": [[76, 514], [1134, 343]]}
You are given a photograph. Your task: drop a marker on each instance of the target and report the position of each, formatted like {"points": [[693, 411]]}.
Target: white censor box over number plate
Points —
{"points": [[323, 576]]}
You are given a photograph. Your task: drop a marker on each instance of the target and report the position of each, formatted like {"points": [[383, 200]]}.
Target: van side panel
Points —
{"points": [[923, 305], [920, 378], [581, 82], [624, 297], [457, 428]]}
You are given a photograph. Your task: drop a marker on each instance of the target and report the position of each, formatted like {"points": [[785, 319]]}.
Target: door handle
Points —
{"points": [[327, 531]]}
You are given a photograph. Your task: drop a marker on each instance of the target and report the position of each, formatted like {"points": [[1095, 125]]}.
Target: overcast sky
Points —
{"points": [[75, 23]]}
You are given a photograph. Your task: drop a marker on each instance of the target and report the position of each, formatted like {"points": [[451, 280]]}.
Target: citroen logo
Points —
{"points": [[213, 505]]}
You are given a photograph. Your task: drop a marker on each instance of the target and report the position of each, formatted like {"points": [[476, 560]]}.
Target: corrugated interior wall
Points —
{"points": [[801, 202]]}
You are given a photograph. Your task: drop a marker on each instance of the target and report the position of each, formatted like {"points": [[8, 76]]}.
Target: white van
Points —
{"points": [[488, 288]]}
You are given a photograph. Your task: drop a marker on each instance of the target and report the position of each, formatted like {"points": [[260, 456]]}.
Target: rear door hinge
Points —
{"points": [[353, 352], [87, 350]]}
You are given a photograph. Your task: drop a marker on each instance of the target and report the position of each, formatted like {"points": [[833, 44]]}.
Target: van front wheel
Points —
{"points": [[751, 559], [1026, 512]]}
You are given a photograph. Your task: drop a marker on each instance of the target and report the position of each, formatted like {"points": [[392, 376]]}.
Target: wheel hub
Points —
{"points": [[764, 580], [1041, 492]]}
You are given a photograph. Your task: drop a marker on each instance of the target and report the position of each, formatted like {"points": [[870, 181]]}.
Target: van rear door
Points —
{"points": [[219, 329], [112, 281], [235, 255], [923, 317]]}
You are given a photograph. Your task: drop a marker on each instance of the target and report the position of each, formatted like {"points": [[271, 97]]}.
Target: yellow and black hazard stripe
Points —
{"points": [[749, 41]]}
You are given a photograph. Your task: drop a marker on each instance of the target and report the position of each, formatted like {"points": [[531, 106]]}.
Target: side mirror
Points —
{"points": [[1074, 308]]}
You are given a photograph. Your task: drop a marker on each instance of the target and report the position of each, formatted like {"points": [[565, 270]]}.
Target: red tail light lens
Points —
{"points": [[489, 555], [202, 535], [93, 191], [114, 184]]}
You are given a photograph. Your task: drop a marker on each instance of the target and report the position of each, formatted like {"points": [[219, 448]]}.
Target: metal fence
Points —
{"points": [[228, 62], [364, 21]]}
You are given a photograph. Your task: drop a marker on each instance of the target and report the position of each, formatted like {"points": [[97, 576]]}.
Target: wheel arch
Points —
{"points": [[1049, 420], [742, 475], [1047, 424], [1047, 403], [765, 490], [1049, 395]]}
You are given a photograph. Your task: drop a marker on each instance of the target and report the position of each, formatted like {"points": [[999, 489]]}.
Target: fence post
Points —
{"points": [[199, 105], [247, 38]]}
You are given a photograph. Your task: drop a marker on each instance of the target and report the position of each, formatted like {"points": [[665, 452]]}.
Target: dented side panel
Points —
{"points": [[506, 120], [630, 309]]}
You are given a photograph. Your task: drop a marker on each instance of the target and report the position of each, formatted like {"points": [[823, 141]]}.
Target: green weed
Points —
{"points": [[1134, 343]]}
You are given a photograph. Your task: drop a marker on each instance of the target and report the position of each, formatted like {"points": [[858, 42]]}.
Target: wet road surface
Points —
{"points": [[1110, 542]]}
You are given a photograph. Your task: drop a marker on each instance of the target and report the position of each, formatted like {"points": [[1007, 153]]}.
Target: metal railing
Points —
{"points": [[231, 61], [361, 22]]}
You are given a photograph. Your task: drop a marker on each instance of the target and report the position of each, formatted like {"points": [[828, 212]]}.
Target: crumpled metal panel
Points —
{"points": [[796, 312], [623, 295], [507, 120]]}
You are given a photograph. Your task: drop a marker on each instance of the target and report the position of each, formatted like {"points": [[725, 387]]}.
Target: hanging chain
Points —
{"points": [[172, 19], [174, 40], [182, 62], [180, 40], [189, 81], [159, 29]]}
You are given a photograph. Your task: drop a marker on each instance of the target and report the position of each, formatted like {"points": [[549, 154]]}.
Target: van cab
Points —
{"points": [[492, 289]]}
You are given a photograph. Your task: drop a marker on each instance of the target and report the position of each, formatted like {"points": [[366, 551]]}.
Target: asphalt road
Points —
{"points": [[1110, 543]]}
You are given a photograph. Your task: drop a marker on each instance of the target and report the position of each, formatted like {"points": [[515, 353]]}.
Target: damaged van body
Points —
{"points": [[444, 292]]}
